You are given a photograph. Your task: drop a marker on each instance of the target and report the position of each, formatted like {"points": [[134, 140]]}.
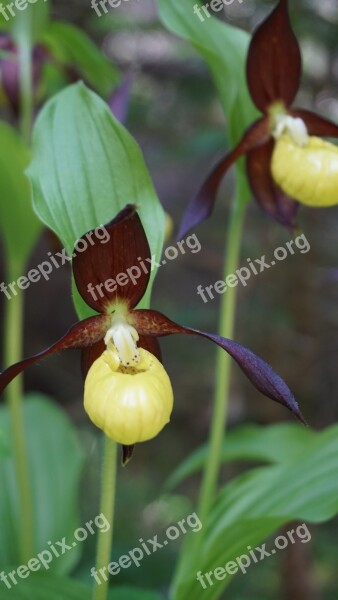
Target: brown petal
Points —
{"points": [[201, 207], [82, 334], [269, 196], [316, 124], [90, 355], [274, 61], [151, 344], [127, 453], [258, 372], [100, 271]]}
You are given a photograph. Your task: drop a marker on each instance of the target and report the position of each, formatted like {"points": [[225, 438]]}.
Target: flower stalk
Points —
{"points": [[107, 508], [14, 394], [223, 365]]}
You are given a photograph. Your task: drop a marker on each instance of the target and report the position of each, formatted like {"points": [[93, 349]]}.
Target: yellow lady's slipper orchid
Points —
{"points": [[130, 404], [128, 393], [307, 173], [302, 168]]}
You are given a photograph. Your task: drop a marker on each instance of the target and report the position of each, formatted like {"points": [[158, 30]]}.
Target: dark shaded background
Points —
{"points": [[288, 315]]}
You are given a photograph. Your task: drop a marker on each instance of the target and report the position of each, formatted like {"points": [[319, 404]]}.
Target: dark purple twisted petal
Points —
{"points": [[261, 375], [82, 334], [201, 206]]}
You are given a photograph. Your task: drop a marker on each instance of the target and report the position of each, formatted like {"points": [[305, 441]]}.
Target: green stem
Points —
{"points": [[108, 488], [14, 394], [224, 364]]}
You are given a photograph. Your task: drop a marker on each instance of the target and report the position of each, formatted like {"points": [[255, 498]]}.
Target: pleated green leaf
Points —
{"points": [[55, 463], [48, 587], [277, 443], [256, 504], [224, 48], [86, 167]]}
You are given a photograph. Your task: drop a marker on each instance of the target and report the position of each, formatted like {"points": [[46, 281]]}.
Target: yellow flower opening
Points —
{"points": [[130, 404], [306, 168]]}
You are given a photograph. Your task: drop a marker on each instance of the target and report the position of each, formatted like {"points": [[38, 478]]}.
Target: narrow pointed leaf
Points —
{"points": [[73, 48], [274, 61], [316, 124], [86, 167], [224, 47], [43, 586], [257, 371], [203, 203], [19, 226], [80, 335], [267, 193], [108, 272], [55, 461], [256, 504], [278, 443]]}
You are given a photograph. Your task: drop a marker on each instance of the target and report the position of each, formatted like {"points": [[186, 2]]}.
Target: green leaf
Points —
{"points": [[70, 46], [125, 592], [45, 587], [42, 586], [257, 503], [277, 443], [224, 48], [19, 226], [86, 167], [55, 461], [4, 444]]}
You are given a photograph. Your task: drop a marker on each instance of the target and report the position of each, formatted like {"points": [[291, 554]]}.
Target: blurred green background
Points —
{"points": [[288, 315]]}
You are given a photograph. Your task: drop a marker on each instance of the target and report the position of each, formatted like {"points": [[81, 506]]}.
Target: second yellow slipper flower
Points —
{"points": [[308, 173]]}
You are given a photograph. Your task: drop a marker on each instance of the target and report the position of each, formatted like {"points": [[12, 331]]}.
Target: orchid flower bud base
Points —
{"points": [[130, 404], [307, 173]]}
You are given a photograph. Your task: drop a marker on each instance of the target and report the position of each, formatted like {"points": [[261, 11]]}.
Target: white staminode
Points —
{"points": [[124, 338], [294, 126]]}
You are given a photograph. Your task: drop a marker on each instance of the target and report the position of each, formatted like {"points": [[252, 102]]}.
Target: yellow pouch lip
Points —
{"points": [[130, 404], [308, 174]]}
